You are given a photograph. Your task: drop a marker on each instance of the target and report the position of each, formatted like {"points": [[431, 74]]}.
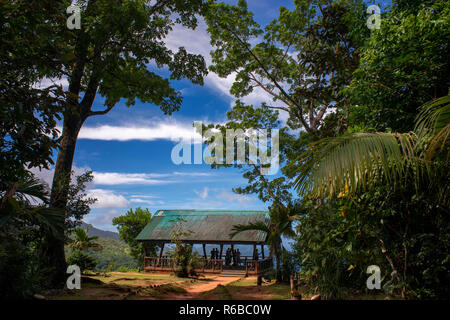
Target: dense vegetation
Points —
{"points": [[364, 148], [366, 178], [114, 256]]}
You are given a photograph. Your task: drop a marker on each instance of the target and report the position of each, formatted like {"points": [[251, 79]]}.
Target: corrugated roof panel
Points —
{"points": [[204, 225]]}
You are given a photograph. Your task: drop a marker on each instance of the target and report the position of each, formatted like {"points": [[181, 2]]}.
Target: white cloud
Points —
{"points": [[107, 199], [219, 198], [139, 200], [46, 175], [115, 178], [163, 131], [193, 174], [143, 196], [103, 219], [202, 194], [234, 197]]}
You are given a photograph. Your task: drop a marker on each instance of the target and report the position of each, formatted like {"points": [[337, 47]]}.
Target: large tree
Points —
{"points": [[112, 54], [129, 226], [301, 59], [30, 47], [388, 174]]}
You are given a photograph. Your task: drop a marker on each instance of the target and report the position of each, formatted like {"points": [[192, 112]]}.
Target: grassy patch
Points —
{"points": [[247, 289], [219, 293]]}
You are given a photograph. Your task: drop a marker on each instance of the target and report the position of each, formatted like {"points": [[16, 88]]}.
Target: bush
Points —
{"points": [[126, 269], [21, 269], [82, 260], [186, 261]]}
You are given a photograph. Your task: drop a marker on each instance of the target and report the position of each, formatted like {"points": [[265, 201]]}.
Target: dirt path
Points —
{"points": [[197, 289]]}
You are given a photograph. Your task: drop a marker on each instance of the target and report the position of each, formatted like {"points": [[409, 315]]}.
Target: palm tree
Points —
{"points": [[84, 242], [280, 224], [28, 198], [358, 161]]}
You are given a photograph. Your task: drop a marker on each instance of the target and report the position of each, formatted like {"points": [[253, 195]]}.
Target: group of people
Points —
{"points": [[232, 256]]}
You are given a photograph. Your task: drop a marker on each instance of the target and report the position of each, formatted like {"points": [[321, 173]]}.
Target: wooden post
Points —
{"points": [[254, 250], [246, 269], [295, 295], [204, 250], [221, 250], [144, 246], [160, 256], [262, 250]]}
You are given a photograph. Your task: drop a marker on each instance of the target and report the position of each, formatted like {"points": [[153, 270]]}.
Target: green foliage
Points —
{"points": [[21, 270], [78, 203], [289, 264], [120, 53], [114, 251], [82, 260], [392, 188], [301, 59], [28, 116], [185, 260], [349, 162], [22, 227], [83, 242], [280, 225], [129, 226], [334, 248], [404, 65]]}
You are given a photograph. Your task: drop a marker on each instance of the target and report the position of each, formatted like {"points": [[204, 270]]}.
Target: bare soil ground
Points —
{"points": [[151, 286], [164, 286], [195, 290]]}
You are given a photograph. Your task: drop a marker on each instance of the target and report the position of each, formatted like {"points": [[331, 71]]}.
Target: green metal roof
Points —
{"points": [[204, 225]]}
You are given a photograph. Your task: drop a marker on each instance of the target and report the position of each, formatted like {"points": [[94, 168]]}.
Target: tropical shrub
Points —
{"points": [[82, 260]]}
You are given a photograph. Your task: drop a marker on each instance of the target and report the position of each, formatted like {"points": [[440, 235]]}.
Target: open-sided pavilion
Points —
{"points": [[207, 227]]}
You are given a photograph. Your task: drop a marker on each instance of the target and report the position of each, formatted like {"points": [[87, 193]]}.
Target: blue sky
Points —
{"points": [[129, 149]]}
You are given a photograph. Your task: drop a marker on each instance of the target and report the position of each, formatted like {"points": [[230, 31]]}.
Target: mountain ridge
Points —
{"points": [[93, 231]]}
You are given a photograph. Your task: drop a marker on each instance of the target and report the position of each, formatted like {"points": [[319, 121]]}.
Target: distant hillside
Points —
{"points": [[93, 231], [114, 252]]}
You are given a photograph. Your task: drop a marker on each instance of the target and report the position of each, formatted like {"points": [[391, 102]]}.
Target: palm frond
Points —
{"points": [[349, 162], [434, 121], [261, 226], [32, 188]]}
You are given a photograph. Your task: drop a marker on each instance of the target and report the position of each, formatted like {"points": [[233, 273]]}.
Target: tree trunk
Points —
{"points": [[278, 265], [53, 254]]}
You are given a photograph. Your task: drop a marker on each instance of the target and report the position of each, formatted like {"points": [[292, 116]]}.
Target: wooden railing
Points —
{"points": [[158, 264], [211, 265], [258, 266], [252, 267], [167, 264]]}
